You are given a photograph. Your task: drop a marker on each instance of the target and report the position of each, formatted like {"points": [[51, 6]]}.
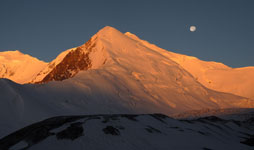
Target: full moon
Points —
{"points": [[193, 28]]}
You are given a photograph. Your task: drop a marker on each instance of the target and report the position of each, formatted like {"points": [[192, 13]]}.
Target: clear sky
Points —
{"points": [[44, 28]]}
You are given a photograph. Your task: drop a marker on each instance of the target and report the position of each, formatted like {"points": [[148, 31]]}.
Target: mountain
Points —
{"points": [[213, 75], [23, 68], [19, 67], [132, 132], [111, 73], [126, 60]]}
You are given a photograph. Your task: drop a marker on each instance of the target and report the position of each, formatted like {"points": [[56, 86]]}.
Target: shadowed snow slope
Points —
{"points": [[112, 74], [214, 75], [132, 132], [19, 67]]}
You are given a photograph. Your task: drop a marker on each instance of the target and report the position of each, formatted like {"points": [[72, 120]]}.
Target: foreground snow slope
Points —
{"points": [[119, 75], [19, 67], [132, 132], [238, 114], [214, 75]]}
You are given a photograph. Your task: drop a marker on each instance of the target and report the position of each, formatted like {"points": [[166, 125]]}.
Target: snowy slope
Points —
{"points": [[19, 67], [123, 76], [214, 75], [238, 114], [132, 132]]}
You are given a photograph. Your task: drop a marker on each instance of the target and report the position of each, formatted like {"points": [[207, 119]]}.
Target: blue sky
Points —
{"points": [[44, 28]]}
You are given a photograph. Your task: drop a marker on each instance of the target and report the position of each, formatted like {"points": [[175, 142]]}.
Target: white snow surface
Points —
{"points": [[214, 75], [19, 67]]}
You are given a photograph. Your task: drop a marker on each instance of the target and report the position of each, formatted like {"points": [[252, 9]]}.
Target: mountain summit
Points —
{"points": [[91, 55], [19, 67]]}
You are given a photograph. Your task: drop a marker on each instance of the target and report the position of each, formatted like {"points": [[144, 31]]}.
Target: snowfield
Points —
{"points": [[132, 132]]}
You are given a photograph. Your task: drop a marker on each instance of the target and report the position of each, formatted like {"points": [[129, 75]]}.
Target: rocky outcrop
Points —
{"points": [[75, 61]]}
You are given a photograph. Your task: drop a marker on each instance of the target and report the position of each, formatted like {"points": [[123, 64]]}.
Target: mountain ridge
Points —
{"points": [[213, 75], [205, 72], [132, 131], [124, 76]]}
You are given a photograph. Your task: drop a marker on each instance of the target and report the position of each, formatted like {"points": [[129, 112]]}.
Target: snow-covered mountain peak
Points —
{"points": [[90, 55], [108, 31], [13, 55], [111, 48], [19, 67], [109, 36], [112, 73], [105, 47]]}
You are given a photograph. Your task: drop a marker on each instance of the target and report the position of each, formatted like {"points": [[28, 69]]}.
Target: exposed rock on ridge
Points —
{"points": [[75, 61]]}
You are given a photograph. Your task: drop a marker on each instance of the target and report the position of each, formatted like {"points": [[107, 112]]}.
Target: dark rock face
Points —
{"points": [[75, 61], [159, 117], [38, 132], [151, 129], [35, 133], [74, 131], [107, 119], [130, 117], [111, 130]]}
